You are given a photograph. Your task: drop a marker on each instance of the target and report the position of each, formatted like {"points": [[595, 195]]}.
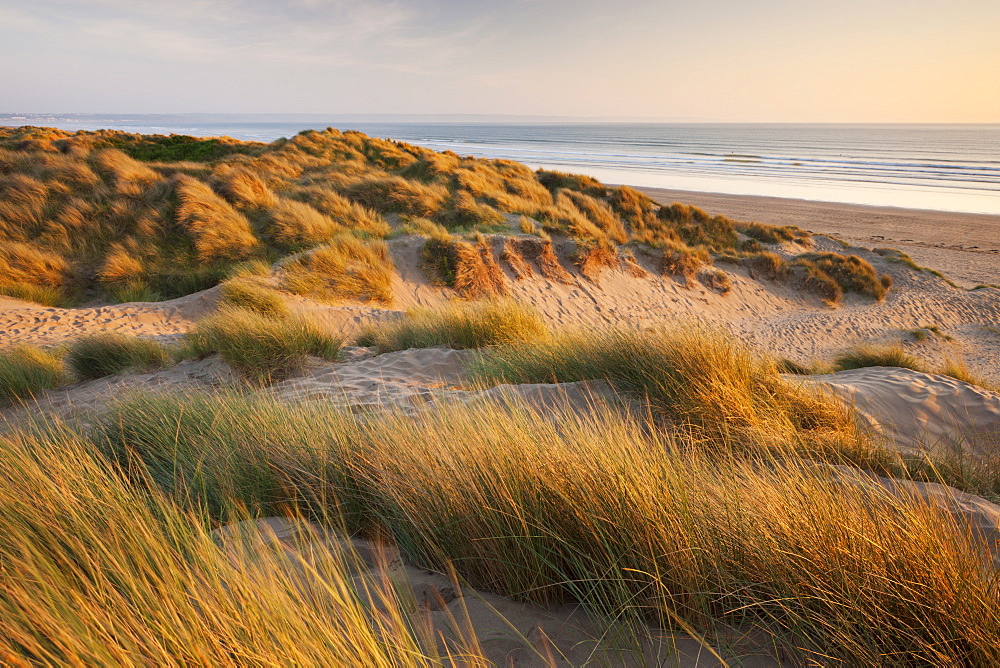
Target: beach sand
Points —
{"points": [[964, 246]]}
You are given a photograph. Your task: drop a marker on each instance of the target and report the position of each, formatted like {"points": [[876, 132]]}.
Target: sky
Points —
{"points": [[705, 60]]}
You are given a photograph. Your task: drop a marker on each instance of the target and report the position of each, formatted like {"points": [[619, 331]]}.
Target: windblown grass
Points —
{"points": [[347, 269], [99, 571], [99, 355], [262, 348], [459, 325], [26, 371], [604, 511], [701, 381]]}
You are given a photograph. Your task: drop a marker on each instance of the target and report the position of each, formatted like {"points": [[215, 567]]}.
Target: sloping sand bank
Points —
{"points": [[918, 411]]}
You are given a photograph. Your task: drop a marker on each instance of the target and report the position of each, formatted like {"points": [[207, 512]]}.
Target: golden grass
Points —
{"points": [[99, 571], [471, 269], [348, 269], [245, 293], [188, 209], [396, 194], [218, 230], [459, 325], [701, 380], [263, 348], [553, 506], [297, 225]]}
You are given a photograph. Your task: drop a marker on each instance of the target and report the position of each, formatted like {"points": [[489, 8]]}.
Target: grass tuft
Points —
{"points": [[866, 356], [347, 269], [261, 348], [459, 325], [26, 371], [100, 355], [246, 294]]}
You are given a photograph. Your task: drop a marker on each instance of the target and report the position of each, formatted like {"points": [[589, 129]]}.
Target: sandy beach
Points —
{"points": [[964, 246]]}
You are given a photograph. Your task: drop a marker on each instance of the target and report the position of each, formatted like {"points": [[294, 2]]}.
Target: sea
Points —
{"points": [[940, 167]]}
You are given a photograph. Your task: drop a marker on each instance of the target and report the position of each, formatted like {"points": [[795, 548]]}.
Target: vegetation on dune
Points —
{"points": [[459, 325], [264, 349], [703, 381], [100, 571], [519, 501], [26, 371], [346, 269], [833, 274], [153, 217], [246, 294], [99, 355]]}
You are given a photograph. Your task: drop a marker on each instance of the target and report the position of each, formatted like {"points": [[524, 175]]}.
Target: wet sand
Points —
{"points": [[965, 246]]}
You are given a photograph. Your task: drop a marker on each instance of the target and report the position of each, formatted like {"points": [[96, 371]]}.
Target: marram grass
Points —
{"points": [[98, 571], [555, 506], [459, 325]]}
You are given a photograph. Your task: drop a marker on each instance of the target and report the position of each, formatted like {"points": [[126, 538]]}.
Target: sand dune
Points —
{"points": [[917, 411]]}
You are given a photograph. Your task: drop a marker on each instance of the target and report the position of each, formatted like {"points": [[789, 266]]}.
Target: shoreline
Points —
{"points": [[963, 246]]}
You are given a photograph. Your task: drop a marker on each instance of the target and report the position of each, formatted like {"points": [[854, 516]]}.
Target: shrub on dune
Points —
{"points": [[459, 325], [99, 355], [262, 348], [26, 371], [850, 273], [697, 228]]}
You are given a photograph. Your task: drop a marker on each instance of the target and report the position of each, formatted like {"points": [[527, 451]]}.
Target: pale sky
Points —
{"points": [[709, 60]]}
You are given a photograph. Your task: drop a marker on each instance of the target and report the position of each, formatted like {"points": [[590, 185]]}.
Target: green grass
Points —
{"points": [[244, 293], [38, 294], [26, 371], [262, 348], [99, 355], [459, 325]]}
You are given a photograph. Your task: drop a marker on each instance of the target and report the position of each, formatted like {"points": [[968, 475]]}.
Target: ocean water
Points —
{"points": [[943, 167]]}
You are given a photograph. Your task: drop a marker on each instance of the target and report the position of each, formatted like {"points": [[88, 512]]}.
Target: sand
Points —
{"points": [[917, 411], [965, 246]]}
